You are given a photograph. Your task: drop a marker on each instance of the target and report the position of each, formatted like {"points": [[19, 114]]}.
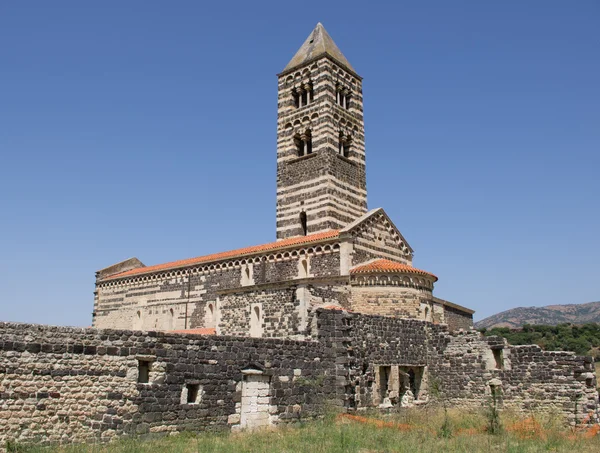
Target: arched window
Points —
{"points": [[256, 321], [303, 95], [303, 223], [303, 143], [342, 96], [344, 145], [210, 320], [304, 268]]}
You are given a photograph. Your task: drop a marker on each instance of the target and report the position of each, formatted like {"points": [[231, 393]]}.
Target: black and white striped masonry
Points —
{"points": [[321, 182]]}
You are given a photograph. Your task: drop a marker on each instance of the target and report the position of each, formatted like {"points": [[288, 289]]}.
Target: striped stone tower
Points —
{"points": [[321, 183]]}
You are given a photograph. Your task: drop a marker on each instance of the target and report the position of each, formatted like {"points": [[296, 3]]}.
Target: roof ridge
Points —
{"points": [[244, 251], [387, 265]]}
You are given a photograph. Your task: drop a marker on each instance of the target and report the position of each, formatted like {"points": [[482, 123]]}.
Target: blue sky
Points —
{"points": [[148, 129]]}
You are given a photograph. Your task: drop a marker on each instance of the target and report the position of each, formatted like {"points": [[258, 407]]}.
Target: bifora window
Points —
{"points": [[342, 96], [344, 144], [303, 95], [303, 143]]}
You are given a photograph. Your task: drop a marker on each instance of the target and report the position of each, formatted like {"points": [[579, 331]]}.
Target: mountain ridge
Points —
{"points": [[547, 315]]}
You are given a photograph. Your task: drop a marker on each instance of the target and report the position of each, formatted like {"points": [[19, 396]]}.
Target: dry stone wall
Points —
{"points": [[467, 366], [67, 384]]}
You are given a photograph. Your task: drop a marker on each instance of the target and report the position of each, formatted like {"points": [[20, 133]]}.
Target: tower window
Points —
{"points": [[344, 145], [303, 144], [342, 96], [303, 223], [303, 95]]}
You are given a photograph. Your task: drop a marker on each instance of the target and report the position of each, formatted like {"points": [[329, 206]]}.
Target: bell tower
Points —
{"points": [[321, 181]]}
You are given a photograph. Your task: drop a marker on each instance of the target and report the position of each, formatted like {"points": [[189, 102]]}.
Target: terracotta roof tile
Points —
{"points": [[200, 331], [333, 307], [317, 237], [383, 265]]}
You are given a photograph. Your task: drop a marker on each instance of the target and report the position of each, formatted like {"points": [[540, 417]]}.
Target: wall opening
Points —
{"points": [[411, 383], [210, 319], [344, 145], [384, 382], [303, 143], [303, 223], [256, 321], [498, 358], [143, 371], [193, 393], [304, 268]]}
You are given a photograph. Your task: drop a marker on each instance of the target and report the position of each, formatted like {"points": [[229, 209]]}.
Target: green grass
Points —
{"points": [[412, 431]]}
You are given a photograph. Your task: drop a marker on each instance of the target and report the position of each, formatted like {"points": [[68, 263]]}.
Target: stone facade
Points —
{"points": [[61, 384]]}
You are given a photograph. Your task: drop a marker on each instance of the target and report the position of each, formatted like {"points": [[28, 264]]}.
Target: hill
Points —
{"points": [[581, 339], [549, 315]]}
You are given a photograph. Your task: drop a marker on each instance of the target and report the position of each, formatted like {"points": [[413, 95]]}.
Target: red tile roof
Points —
{"points": [[383, 265], [200, 331], [334, 307], [317, 237]]}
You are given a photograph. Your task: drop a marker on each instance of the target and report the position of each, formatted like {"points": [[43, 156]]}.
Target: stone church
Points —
{"points": [[331, 250], [331, 314]]}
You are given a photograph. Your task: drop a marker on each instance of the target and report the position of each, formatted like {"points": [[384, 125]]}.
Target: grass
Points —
{"points": [[409, 431]]}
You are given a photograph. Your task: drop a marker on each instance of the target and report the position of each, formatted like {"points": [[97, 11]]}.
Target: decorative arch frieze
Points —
{"points": [[221, 266]]}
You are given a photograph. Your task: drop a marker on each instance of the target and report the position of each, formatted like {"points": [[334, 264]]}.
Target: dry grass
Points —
{"points": [[409, 431]]}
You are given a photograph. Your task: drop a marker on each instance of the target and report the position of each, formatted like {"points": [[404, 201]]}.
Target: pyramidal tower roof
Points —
{"points": [[318, 43]]}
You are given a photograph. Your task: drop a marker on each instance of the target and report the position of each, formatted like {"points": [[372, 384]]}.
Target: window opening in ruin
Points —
{"points": [[412, 382], [589, 382], [303, 223], [143, 371], [384, 381], [193, 391], [426, 313], [498, 358], [247, 272], [411, 379]]}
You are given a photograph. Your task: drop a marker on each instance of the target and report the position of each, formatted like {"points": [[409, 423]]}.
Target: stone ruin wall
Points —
{"points": [[529, 379], [59, 384], [467, 366]]}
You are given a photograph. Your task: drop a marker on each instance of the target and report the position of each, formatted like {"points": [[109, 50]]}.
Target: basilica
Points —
{"points": [[330, 251]]}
